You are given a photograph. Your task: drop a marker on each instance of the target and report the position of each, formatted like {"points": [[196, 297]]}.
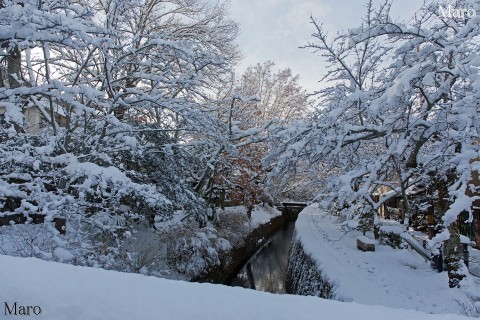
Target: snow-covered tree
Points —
{"points": [[279, 93], [250, 107], [401, 110], [280, 100], [122, 91]]}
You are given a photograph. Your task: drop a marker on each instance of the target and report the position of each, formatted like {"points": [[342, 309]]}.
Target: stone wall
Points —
{"points": [[233, 261], [303, 276]]}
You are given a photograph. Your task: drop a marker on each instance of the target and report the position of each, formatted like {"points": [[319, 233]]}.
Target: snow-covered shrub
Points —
{"points": [[366, 221], [390, 236], [233, 226], [192, 251], [142, 259], [27, 241]]}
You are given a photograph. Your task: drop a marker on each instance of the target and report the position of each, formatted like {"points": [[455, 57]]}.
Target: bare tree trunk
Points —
{"points": [[14, 60], [476, 226], [10, 74], [13, 63]]}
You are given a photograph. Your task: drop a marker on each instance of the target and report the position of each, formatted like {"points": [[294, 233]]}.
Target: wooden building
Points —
{"points": [[422, 214]]}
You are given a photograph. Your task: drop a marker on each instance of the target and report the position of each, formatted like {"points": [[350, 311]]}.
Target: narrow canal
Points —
{"points": [[266, 270]]}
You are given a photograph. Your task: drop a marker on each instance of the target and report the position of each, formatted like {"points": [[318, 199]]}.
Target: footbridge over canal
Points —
{"points": [[291, 209]]}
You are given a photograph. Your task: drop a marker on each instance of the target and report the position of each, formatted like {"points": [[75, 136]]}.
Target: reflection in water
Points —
{"points": [[267, 268]]}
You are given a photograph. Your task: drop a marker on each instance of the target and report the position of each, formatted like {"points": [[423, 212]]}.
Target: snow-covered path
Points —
{"points": [[388, 277], [69, 292]]}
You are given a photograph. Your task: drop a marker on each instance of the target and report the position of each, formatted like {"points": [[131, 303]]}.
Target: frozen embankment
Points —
{"points": [[325, 261], [69, 292]]}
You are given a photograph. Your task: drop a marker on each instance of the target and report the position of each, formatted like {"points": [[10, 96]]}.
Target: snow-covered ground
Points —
{"points": [[261, 214], [71, 292], [388, 277]]}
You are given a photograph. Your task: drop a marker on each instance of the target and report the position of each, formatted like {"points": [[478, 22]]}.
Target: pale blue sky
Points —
{"points": [[274, 29]]}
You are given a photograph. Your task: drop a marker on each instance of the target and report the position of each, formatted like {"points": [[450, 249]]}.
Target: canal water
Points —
{"points": [[266, 270]]}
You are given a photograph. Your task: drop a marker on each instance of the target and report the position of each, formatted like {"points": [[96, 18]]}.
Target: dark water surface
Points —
{"points": [[267, 268]]}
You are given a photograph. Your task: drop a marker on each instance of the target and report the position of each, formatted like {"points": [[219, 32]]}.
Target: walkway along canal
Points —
{"points": [[266, 269]]}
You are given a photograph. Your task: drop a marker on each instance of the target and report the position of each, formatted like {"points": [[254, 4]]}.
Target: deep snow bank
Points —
{"points": [[69, 292]]}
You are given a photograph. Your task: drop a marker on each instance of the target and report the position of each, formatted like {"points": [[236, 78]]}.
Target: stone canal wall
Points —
{"points": [[303, 275], [233, 260]]}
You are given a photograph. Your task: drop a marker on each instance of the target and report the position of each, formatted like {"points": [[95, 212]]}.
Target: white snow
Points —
{"points": [[397, 229], [366, 240], [62, 254], [263, 214], [389, 277], [260, 214], [71, 292]]}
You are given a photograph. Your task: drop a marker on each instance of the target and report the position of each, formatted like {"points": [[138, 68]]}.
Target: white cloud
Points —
{"points": [[274, 29]]}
